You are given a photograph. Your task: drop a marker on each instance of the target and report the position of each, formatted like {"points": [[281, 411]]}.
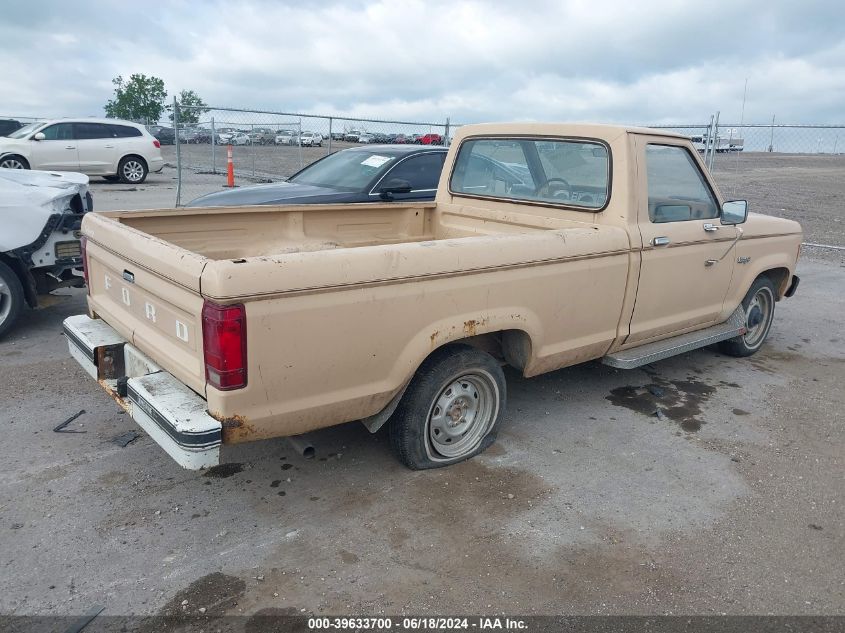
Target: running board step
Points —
{"points": [[651, 352]]}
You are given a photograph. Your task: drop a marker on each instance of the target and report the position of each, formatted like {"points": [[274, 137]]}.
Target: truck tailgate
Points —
{"points": [[149, 291]]}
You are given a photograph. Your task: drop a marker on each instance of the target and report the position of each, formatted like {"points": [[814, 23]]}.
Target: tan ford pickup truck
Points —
{"points": [[547, 245]]}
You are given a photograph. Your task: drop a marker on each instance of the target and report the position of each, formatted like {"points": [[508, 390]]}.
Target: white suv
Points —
{"points": [[110, 148], [311, 139]]}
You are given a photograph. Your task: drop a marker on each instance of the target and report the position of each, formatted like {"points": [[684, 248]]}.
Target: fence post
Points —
{"points": [[715, 140], [330, 136], [772, 137], [213, 148], [446, 140], [178, 152]]}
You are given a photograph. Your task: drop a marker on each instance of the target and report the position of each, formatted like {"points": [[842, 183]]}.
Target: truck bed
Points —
{"points": [[243, 232]]}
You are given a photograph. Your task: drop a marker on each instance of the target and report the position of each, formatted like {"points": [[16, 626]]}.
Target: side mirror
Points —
{"points": [[39, 136], [392, 186], [735, 212]]}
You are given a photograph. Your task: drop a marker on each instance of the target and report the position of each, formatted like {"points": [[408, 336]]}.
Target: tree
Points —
{"points": [[139, 99], [190, 114]]}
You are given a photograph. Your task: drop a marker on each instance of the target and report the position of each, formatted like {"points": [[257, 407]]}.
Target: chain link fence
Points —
{"points": [[269, 146]]}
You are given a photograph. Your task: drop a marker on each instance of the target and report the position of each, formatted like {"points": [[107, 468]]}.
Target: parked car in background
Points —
{"points": [[430, 139], [262, 136], [400, 139], [357, 174], [338, 136], [352, 136], [204, 136], [311, 139], [7, 126], [286, 137], [239, 138], [165, 135], [111, 148], [365, 137], [225, 134], [188, 134], [39, 244]]}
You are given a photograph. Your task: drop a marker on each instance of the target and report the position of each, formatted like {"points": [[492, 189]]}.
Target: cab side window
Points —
{"points": [[677, 190], [58, 132]]}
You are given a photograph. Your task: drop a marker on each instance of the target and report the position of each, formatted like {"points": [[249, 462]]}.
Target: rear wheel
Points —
{"points": [[759, 307], [14, 162], [451, 409], [11, 298], [132, 170]]}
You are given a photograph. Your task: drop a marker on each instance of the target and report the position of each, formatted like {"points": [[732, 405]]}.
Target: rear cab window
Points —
{"points": [[567, 172]]}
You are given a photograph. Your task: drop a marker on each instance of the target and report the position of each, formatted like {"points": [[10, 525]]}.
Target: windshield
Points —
{"points": [[346, 171], [26, 129]]}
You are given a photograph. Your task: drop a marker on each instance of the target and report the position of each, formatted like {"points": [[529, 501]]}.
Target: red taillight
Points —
{"points": [[83, 250], [224, 345], [156, 143]]}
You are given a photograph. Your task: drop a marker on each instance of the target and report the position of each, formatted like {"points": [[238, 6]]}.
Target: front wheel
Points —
{"points": [[14, 162], [451, 409], [11, 298], [759, 307], [132, 170]]}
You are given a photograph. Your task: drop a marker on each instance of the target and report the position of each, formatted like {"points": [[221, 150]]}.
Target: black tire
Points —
{"points": [[13, 161], [759, 307], [456, 380], [132, 170], [114, 178], [11, 298]]}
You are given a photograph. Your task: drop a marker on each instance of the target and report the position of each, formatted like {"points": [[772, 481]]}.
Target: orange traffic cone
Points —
{"points": [[230, 168]]}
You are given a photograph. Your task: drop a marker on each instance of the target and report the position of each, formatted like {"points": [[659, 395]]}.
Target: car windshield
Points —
{"points": [[26, 129], [346, 171]]}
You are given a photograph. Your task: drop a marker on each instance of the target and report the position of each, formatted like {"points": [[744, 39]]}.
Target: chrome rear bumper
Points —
{"points": [[171, 413]]}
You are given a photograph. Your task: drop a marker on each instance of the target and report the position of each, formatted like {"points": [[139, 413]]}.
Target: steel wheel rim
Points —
{"points": [[133, 170], [461, 415], [763, 302], [11, 163], [5, 300]]}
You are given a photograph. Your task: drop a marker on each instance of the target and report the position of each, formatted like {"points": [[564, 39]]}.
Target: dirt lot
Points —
{"points": [[588, 503]]}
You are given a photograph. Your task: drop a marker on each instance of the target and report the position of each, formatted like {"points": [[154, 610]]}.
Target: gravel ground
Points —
{"points": [[587, 504]]}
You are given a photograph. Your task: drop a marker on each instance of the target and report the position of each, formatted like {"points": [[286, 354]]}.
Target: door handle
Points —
{"points": [[70, 146], [710, 227], [660, 241], [109, 146]]}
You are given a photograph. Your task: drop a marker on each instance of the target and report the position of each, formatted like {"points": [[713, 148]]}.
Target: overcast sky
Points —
{"points": [[628, 61]]}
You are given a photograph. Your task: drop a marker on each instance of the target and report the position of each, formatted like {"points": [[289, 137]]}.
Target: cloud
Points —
{"points": [[638, 62]]}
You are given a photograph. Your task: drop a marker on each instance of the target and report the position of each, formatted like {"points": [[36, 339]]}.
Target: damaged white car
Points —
{"points": [[40, 216]]}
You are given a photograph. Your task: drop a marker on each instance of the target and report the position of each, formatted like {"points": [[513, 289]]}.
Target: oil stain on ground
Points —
{"points": [[677, 400], [223, 470], [216, 594]]}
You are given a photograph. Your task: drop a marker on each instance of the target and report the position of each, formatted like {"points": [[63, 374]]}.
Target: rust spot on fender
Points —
{"points": [[471, 326], [434, 336]]}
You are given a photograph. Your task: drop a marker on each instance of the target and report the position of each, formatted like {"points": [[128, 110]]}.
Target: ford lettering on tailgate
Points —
{"points": [[123, 290]]}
